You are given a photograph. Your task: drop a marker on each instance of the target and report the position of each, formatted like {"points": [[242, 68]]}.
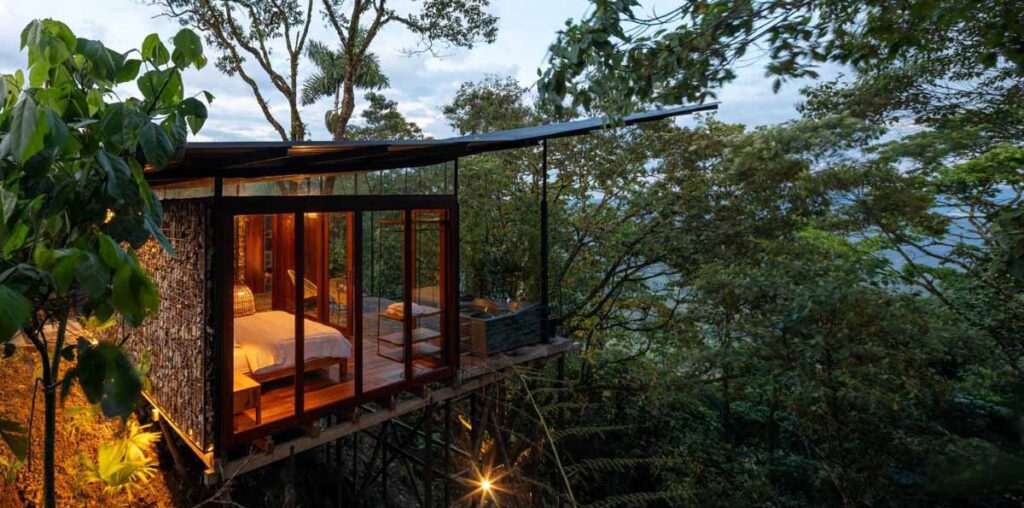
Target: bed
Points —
{"points": [[267, 342]]}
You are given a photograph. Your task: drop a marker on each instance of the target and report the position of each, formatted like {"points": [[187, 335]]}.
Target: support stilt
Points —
{"points": [[428, 455]]}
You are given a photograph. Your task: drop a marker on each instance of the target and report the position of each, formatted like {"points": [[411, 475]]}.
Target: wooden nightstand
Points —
{"points": [[247, 395]]}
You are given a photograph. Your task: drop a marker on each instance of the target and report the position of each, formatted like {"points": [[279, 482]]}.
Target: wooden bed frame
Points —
{"points": [[317, 364]]}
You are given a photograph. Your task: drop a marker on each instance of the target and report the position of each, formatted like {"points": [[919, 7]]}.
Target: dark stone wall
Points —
{"points": [[179, 340]]}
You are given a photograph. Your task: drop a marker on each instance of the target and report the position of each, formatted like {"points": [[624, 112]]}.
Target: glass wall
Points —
{"points": [[263, 319], [307, 275], [428, 282], [424, 180], [383, 311]]}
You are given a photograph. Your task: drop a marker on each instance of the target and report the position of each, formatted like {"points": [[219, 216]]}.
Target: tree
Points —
{"points": [[330, 76], [242, 30], [382, 120], [76, 204], [619, 55]]}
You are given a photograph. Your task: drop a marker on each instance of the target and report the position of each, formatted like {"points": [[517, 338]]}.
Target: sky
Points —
{"points": [[421, 83]]}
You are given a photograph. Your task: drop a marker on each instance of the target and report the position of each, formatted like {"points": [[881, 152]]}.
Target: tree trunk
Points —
{"points": [[49, 438], [348, 105]]}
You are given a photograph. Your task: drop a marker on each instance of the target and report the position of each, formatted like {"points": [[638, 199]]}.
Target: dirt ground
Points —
{"points": [[79, 434]]}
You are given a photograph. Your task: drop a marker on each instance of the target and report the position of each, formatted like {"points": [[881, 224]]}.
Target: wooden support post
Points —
{"points": [[428, 455], [447, 452], [179, 462], [290, 491], [340, 465], [384, 461], [356, 491]]}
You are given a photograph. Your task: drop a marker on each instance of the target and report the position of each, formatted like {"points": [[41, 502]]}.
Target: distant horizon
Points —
{"points": [[421, 84]]}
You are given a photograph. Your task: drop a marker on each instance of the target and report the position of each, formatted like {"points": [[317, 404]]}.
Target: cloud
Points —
{"points": [[421, 83]]}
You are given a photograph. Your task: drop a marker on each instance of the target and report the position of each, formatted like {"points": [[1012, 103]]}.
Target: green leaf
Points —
{"points": [[188, 48], [64, 267], [38, 73], [25, 136], [103, 63], [92, 275], [110, 253], [134, 295], [128, 71], [58, 135], [119, 177], [43, 256], [108, 378], [8, 203], [94, 99], [156, 146], [14, 311], [195, 113], [16, 437], [173, 90], [175, 127], [154, 51]]}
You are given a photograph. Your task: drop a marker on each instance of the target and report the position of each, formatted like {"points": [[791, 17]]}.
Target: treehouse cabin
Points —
{"points": [[312, 278]]}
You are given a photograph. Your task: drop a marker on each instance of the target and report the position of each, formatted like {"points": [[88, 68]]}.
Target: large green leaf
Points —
{"points": [[16, 437], [110, 253], [103, 63], [15, 309], [64, 267], [119, 177], [195, 113], [8, 203], [128, 71], [188, 49], [25, 136], [155, 144], [154, 51], [108, 378], [93, 275], [134, 295]]}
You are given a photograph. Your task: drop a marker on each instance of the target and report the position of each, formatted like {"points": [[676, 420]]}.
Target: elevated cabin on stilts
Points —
{"points": [[311, 278]]}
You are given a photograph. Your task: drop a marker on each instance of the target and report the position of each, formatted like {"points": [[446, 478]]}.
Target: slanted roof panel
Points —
{"points": [[247, 159]]}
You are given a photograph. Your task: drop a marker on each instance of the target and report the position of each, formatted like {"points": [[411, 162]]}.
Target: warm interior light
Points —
{"points": [[312, 215], [485, 485]]}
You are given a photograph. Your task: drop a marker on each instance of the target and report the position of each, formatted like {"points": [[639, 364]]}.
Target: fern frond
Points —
{"points": [[588, 431], [611, 465]]}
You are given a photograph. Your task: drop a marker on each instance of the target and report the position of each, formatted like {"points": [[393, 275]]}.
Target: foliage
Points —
{"points": [[329, 78], [382, 120], [122, 466], [76, 204], [624, 53], [247, 32]]}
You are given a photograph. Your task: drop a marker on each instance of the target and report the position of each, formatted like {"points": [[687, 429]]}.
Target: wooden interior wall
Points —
{"points": [[178, 338], [282, 259], [252, 260]]}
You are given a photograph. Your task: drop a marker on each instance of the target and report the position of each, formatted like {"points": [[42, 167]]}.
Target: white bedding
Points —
{"points": [[268, 340]]}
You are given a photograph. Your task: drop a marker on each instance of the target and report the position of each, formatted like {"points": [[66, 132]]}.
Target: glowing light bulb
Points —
{"points": [[485, 485]]}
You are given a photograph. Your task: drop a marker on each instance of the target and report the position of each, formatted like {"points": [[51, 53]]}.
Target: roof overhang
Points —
{"points": [[268, 159]]}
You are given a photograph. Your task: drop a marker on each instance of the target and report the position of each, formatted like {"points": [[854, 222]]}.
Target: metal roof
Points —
{"points": [[278, 158]]}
